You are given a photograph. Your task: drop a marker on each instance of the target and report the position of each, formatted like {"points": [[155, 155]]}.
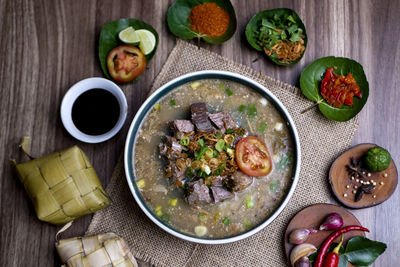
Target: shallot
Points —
{"points": [[332, 221], [300, 236]]}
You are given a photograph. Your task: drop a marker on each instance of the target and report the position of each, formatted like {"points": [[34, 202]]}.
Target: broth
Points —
{"points": [[233, 216]]}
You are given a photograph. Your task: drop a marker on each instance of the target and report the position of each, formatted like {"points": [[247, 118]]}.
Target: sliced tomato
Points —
{"points": [[252, 156], [125, 63]]}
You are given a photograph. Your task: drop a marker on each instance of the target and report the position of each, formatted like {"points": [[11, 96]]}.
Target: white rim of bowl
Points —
{"points": [[75, 91], [244, 235]]}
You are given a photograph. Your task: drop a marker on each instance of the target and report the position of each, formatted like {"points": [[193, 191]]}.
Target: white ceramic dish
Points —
{"points": [[75, 91], [154, 98]]}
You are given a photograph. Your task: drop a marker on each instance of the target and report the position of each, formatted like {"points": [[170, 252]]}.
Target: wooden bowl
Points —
{"points": [[339, 179], [312, 217]]}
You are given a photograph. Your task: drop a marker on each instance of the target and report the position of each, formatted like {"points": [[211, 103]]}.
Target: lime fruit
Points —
{"points": [[129, 36], [147, 41], [377, 159]]}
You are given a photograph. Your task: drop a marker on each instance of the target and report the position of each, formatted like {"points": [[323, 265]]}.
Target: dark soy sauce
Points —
{"points": [[95, 111]]}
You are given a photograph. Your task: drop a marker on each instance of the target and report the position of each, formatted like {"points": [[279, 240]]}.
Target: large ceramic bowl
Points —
{"points": [[160, 93]]}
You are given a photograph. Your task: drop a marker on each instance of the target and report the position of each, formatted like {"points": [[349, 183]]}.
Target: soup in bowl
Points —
{"points": [[212, 157]]}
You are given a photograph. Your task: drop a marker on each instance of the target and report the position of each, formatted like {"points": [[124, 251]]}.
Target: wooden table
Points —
{"points": [[47, 46]]}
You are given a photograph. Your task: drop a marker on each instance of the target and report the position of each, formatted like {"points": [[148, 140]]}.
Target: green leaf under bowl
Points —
{"points": [[109, 39], [179, 25], [254, 25], [313, 74]]}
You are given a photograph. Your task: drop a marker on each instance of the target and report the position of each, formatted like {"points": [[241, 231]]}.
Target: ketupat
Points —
{"points": [[99, 250], [62, 186]]}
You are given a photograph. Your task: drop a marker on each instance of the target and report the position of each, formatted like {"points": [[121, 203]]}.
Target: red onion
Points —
{"points": [[300, 236], [332, 221]]}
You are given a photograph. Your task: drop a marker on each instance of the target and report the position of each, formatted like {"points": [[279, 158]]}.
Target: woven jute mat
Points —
{"points": [[321, 141]]}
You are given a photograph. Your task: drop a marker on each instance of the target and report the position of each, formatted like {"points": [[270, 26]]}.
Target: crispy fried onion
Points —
{"points": [[286, 51]]}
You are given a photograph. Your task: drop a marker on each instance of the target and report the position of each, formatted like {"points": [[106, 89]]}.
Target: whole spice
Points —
{"points": [[300, 251], [209, 19], [332, 259], [355, 169], [325, 246], [332, 221], [365, 188], [300, 236]]}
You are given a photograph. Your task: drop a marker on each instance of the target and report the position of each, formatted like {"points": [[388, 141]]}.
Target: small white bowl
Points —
{"points": [[75, 91]]}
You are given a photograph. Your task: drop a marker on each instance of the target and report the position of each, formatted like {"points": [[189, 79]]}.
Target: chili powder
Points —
{"points": [[209, 19]]}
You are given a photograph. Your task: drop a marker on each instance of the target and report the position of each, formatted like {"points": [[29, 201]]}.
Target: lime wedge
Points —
{"points": [[129, 36], [147, 41]]}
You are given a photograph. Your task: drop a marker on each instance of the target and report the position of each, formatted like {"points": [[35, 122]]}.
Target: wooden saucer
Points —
{"points": [[312, 217], [339, 178]]}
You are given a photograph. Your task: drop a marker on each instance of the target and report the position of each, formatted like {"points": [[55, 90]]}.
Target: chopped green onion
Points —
{"points": [[252, 111], [221, 86], [219, 146], [206, 169], [165, 217], [218, 135], [229, 131], [172, 202], [226, 221], [200, 153], [247, 224], [157, 106], [219, 170], [202, 174], [201, 142], [230, 151], [249, 201], [202, 217], [189, 172], [185, 141], [273, 185], [228, 91], [215, 153], [209, 153], [285, 161], [172, 102], [200, 230], [262, 127], [242, 108]]}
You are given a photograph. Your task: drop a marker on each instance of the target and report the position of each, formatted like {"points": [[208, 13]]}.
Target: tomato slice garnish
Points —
{"points": [[125, 63], [252, 156]]}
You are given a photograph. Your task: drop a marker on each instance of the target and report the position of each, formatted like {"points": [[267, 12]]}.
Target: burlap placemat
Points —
{"points": [[321, 141]]}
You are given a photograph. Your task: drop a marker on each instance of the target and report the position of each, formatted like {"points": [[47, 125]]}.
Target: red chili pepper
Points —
{"points": [[332, 259], [325, 246]]}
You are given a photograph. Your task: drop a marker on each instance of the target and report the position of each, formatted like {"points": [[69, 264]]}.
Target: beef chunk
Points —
{"points": [[238, 181], [177, 174], [200, 117], [202, 122], [217, 180], [184, 126], [170, 148], [198, 193], [198, 108], [241, 181], [220, 194], [222, 120]]}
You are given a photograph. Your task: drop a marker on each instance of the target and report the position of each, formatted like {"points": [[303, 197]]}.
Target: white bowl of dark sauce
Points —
{"points": [[94, 110]]}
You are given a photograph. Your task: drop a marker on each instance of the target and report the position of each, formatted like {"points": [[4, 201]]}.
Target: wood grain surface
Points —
{"points": [[48, 45]]}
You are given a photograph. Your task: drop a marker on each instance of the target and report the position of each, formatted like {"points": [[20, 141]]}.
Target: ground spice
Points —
{"points": [[209, 19]]}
